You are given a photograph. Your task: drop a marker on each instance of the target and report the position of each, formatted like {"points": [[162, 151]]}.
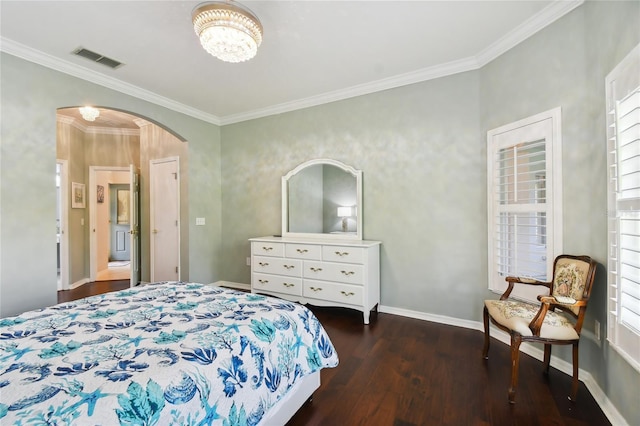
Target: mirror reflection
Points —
{"points": [[322, 197]]}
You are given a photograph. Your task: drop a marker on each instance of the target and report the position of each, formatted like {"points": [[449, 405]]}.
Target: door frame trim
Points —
{"points": [[93, 201], [64, 224]]}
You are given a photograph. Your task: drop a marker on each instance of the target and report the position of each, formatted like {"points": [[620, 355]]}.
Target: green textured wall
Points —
{"points": [[422, 154], [30, 96]]}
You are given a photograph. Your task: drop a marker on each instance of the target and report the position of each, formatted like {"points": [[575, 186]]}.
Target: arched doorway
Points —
{"points": [[99, 153]]}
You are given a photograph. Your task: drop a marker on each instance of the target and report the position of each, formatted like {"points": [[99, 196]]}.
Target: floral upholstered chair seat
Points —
{"points": [[517, 316]]}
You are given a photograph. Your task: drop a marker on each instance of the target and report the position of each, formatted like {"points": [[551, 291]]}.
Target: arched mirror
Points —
{"points": [[322, 199]]}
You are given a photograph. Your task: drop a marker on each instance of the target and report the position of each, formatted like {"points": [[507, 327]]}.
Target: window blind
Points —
{"points": [[625, 185], [524, 162], [521, 222]]}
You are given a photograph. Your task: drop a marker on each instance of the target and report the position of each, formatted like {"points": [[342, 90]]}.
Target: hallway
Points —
{"points": [[117, 270]]}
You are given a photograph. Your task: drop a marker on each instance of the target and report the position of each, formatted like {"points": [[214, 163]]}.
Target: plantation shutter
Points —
{"points": [[623, 102], [521, 228], [628, 152], [524, 161]]}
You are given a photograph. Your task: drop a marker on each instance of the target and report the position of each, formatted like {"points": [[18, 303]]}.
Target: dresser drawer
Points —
{"points": [[343, 254], [276, 265], [262, 248], [304, 251], [342, 293], [345, 273], [286, 285]]}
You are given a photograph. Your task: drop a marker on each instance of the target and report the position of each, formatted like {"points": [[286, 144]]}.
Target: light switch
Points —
{"points": [[199, 221]]}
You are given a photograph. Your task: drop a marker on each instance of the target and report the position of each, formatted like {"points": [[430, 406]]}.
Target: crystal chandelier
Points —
{"points": [[89, 113], [227, 30]]}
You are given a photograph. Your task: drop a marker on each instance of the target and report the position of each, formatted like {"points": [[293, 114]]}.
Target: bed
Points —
{"points": [[165, 353]]}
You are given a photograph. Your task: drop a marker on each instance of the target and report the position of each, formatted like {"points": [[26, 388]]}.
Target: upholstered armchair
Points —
{"points": [[557, 320]]}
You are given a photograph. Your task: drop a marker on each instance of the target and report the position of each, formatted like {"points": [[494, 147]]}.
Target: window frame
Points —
{"points": [[546, 125], [621, 82]]}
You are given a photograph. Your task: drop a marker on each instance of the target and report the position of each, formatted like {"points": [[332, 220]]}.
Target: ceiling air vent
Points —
{"points": [[96, 57]]}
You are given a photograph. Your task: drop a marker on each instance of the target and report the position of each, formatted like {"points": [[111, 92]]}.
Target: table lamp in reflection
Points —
{"points": [[344, 213]]}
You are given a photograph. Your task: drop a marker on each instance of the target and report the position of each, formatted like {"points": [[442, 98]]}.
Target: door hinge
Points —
{"points": [[176, 223], [175, 176], [176, 269]]}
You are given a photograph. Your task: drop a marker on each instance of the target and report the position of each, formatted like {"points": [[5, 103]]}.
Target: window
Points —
{"points": [[524, 200], [623, 148]]}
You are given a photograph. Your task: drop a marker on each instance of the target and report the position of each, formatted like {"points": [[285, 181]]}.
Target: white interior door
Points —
{"points": [[164, 179], [134, 232]]}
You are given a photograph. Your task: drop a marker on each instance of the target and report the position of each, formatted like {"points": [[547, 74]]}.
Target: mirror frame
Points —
{"points": [[285, 201]]}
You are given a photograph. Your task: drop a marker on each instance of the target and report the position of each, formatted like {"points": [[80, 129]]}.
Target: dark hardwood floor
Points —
{"points": [[91, 289], [404, 372]]}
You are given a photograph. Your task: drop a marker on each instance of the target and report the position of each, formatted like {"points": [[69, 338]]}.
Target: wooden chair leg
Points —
{"points": [[516, 339], [574, 385], [547, 358], [485, 350]]}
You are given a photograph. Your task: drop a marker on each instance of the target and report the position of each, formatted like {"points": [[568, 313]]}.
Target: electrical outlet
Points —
{"points": [[596, 329], [248, 261]]}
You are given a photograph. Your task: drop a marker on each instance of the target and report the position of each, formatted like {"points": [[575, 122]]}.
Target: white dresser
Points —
{"points": [[318, 272]]}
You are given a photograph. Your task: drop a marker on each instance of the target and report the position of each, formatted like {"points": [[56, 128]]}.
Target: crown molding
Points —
{"points": [[536, 23], [545, 17], [71, 122], [443, 70], [548, 15], [112, 131], [67, 120], [94, 130], [141, 122], [32, 55]]}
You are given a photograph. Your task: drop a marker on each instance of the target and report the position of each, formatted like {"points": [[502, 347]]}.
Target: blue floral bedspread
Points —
{"points": [[166, 353]]}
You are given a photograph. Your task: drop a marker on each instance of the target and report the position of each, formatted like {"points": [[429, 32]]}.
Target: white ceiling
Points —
{"points": [[313, 52]]}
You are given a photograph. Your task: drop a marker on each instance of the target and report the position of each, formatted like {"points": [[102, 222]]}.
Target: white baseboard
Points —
{"points": [[78, 283], [599, 396], [231, 284]]}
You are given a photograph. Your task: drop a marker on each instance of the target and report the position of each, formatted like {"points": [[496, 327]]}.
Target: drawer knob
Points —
{"points": [[315, 269], [347, 273], [344, 293], [342, 253], [315, 288], [263, 281], [267, 248], [263, 264], [302, 251], [288, 285], [289, 266]]}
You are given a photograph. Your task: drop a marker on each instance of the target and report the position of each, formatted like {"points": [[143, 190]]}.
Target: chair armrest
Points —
{"points": [[521, 280], [526, 280], [550, 302], [568, 302]]}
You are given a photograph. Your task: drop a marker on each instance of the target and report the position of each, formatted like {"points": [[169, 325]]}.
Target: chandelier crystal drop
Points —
{"points": [[89, 113], [227, 30]]}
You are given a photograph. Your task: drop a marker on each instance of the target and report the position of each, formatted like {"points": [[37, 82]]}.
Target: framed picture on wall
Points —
{"points": [[77, 195], [100, 194], [123, 207]]}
